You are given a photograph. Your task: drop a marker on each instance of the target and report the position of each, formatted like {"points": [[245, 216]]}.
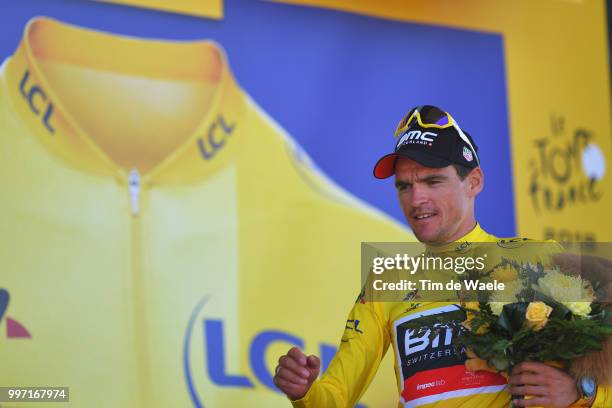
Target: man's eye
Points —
{"points": [[402, 187]]}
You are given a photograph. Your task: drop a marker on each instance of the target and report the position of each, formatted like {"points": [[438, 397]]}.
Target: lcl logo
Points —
{"points": [[214, 141], [37, 100], [416, 136]]}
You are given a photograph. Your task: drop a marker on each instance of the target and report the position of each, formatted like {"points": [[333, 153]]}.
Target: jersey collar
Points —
{"points": [[204, 151], [477, 234]]}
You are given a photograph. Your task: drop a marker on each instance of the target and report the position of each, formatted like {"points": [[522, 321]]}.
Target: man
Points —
{"points": [[438, 176]]}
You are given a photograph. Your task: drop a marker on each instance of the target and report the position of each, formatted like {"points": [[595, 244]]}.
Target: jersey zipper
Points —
{"points": [[139, 284], [134, 190]]}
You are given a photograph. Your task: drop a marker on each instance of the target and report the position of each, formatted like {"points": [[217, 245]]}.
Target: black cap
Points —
{"points": [[431, 146]]}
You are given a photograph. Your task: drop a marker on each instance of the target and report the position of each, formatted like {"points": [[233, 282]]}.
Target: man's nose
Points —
{"points": [[419, 195]]}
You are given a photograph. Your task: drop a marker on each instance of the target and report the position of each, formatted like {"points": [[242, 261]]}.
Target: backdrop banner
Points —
{"points": [[188, 183]]}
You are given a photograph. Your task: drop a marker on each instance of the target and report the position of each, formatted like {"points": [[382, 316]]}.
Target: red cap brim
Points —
{"points": [[385, 167]]}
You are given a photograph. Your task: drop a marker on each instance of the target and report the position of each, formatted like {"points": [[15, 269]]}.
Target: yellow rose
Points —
{"points": [[537, 315], [471, 305], [481, 330], [475, 363], [505, 274], [470, 316]]}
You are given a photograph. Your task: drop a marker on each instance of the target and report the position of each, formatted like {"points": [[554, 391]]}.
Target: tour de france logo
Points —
{"points": [[566, 169]]}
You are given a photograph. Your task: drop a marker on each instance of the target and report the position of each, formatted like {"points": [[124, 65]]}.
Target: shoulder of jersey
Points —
{"points": [[513, 242], [517, 242]]}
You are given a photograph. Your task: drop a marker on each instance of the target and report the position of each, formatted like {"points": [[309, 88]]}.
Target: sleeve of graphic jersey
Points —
{"points": [[364, 343], [603, 398]]}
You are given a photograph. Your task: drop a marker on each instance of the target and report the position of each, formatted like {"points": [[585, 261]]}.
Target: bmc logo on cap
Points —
{"points": [[417, 137]]}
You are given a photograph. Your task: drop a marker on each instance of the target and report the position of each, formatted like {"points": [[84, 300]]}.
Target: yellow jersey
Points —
{"points": [[429, 373], [163, 239]]}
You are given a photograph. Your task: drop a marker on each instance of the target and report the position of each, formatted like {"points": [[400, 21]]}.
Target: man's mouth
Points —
{"points": [[424, 216]]}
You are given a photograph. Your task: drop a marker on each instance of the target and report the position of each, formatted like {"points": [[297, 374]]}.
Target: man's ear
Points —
{"points": [[475, 182]]}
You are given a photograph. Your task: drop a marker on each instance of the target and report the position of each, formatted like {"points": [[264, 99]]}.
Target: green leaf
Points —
{"points": [[500, 362]]}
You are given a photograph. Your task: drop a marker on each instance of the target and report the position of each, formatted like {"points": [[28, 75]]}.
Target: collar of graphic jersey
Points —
{"points": [[477, 234], [110, 104]]}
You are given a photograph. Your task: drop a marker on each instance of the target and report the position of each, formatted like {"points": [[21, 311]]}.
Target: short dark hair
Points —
{"points": [[462, 171]]}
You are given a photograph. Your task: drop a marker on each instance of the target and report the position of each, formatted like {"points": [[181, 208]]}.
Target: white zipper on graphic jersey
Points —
{"points": [[134, 189], [140, 294]]}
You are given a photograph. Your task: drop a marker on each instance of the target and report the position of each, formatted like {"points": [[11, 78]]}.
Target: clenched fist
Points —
{"points": [[295, 373]]}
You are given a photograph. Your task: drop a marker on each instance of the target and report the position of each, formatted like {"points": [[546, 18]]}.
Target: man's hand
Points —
{"points": [[295, 373], [550, 387]]}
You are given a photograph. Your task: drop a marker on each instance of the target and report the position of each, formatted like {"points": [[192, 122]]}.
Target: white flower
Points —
{"points": [[578, 308], [566, 288], [509, 294], [497, 307], [503, 297]]}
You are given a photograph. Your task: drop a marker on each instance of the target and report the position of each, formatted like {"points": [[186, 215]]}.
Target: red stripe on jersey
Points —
{"points": [[439, 380]]}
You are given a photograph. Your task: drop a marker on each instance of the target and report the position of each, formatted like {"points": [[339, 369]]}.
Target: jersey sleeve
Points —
{"points": [[363, 345]]}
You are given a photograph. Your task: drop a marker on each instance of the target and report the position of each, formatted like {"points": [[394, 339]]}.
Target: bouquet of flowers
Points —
{"points": [[542, 315]]}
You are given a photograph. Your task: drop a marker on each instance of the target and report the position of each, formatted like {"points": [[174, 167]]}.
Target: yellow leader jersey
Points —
{"points": [[429, 373], [163, 240]]}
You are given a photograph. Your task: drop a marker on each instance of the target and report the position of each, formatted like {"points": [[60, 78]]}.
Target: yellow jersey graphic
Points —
{"points": [[164, 241]]}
